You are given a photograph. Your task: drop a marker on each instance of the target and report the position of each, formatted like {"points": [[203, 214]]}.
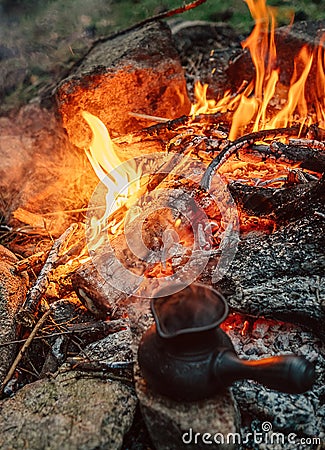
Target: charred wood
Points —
{"points": [[310, 158], [281, 275], [282, 204]]}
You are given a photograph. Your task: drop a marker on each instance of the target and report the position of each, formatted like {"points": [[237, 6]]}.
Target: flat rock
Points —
{"points": [[134, 72], [174, 425], [13, 289], [72, 411]]}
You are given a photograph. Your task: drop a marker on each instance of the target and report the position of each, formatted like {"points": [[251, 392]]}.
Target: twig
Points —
{"points": [[112, 326], [36, 292], [24, 348], [161, 16], [243, 142], [148, 117]]}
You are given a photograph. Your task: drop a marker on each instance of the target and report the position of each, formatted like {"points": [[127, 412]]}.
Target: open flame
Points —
{"points": [[252, 106], [253, 103], [122, 180]]}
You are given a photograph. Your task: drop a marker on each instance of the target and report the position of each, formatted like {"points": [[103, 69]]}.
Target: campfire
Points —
{"points": [[222, 194]]}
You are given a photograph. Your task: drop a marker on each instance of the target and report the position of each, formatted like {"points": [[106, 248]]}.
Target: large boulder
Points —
{"points": [[134, 72]]}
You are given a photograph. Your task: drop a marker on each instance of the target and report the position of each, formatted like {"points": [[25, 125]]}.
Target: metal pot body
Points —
{"points": [[182, 367]]}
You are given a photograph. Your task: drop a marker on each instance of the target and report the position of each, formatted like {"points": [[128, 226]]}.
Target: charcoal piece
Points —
{"points": [[309, 158], [135, 72], [280, 203]]}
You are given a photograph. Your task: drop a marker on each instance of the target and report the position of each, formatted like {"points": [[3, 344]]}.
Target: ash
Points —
{"points": [[302, 414]]}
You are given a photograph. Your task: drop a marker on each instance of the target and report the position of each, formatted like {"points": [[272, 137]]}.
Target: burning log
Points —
{"points": [[118, 264]]}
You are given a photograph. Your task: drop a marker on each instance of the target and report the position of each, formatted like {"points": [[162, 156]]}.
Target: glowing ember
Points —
{"points": [[253, 104]]}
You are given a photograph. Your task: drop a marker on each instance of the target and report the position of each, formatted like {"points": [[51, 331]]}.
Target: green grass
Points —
{"points": [[236, 12], [49, 35]]}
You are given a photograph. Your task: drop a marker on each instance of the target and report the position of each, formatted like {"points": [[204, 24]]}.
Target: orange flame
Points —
{"points": [[251, 106]]}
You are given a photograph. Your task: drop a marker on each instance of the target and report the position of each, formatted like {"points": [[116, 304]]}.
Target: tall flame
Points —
{"points": [[122, 180], [253, 104]]}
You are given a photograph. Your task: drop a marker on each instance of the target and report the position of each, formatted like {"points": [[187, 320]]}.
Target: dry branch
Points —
{"points": [[161, 16], [35, 294], [24, 348]]}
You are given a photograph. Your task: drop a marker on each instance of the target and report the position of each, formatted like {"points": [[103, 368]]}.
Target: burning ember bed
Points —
{"points": [[130, 184]]}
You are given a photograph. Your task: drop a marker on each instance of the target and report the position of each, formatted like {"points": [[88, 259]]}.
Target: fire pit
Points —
{"points": [[222, 189]]}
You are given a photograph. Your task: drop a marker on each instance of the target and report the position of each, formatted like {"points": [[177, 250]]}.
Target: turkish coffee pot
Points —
{"points": [[186, 356]]}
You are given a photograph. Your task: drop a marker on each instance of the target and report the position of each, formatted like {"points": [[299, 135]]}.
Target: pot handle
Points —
{"points": [[289, 373]]}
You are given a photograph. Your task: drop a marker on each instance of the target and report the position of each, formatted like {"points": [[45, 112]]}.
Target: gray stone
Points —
{"points": [[71, 411], [113, 351], [134, 72], [13, 289], [169, 422]]}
